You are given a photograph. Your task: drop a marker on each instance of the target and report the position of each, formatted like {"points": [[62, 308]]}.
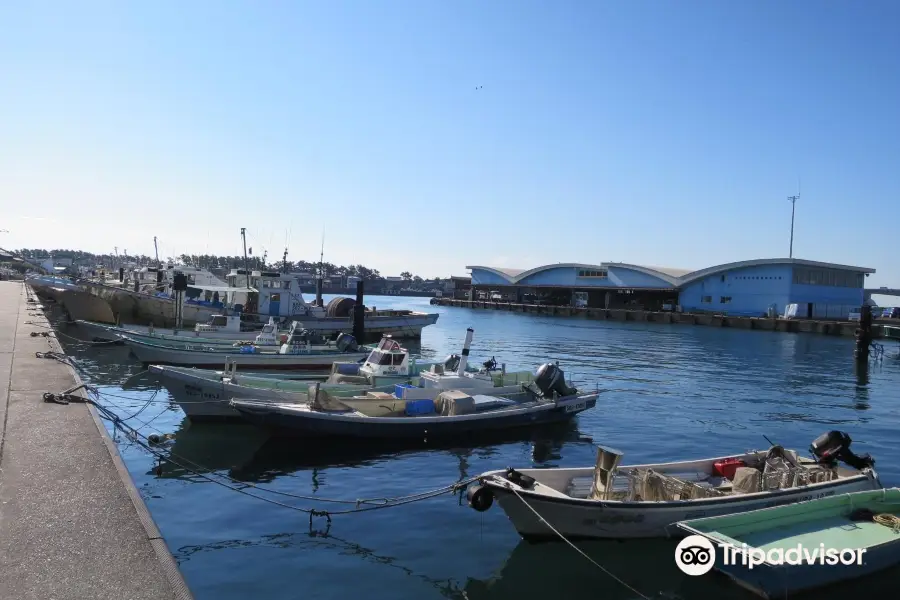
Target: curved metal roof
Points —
{"points": [[675, 277]]}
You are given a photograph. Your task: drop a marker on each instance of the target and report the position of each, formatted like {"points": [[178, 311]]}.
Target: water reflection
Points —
{"points": [[646, 565], [862, 385], [247, 453]]}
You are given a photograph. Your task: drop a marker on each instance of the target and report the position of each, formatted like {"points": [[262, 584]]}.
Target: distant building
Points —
{"points": [[748, 288]]}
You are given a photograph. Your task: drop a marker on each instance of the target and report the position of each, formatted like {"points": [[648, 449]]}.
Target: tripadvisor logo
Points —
{"points": [[696, 555]]}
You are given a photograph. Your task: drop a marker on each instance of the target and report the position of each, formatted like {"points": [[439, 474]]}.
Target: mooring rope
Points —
{"points": [[576, 548], [360, 505]]}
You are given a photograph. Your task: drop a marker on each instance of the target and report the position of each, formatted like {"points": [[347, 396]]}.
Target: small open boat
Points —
{"points": [[777, 552], [425, 413], [640, 501]]}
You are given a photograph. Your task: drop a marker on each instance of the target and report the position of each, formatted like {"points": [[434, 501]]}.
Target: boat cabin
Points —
{"points": [[278, 293], [388, 358], [230, 323]]}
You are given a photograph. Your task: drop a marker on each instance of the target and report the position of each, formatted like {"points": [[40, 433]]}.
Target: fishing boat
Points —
{"points": [[643, 501], [295, 353], [217, 327], [268, 337], [780, 551], [419, 413], [204, 394]]}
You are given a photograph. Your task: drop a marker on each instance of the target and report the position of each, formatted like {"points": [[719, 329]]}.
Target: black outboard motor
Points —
{"points": [[834, 446], [490, 365], [451, 363], [346, 343], [550, 378]]}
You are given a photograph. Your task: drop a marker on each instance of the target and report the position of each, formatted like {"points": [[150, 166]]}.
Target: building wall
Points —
{"points": [[827, 302], [747, 291]]}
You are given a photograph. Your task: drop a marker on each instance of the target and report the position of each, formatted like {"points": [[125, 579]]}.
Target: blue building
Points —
{"points": [[749, 288]]}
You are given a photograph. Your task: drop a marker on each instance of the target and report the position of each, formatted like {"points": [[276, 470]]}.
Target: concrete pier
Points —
{"points": [[72, 524], [840, 328]]}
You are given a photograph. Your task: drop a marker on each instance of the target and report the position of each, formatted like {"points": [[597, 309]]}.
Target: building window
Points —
{"points": [[706, 299], [725, 300], [723, 278], [599, 273], [827, 277]]}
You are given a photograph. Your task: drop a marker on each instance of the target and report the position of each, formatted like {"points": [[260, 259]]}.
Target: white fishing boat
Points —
{"points": [[268, 337], [228, 328], [425, 413], [204, 394], [293, 354], [639, 501]]}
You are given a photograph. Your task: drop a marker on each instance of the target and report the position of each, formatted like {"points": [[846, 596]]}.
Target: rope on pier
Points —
{"points": [[576, 548], [358, 505], [67, 336]]}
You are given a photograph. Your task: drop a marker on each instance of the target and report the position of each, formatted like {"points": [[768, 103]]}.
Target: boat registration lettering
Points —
{"points": [[195, 392], [606, 520], [574, 407]]}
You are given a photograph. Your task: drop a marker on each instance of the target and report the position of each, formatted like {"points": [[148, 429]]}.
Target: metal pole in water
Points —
{"points": [[359, 314], [864, 334], [464, 359]]}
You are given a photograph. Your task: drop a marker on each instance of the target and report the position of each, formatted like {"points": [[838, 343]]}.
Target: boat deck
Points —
{"points": [[835, 532]]}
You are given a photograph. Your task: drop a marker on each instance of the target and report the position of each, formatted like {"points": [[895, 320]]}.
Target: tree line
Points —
{"points": [[212, 261]]}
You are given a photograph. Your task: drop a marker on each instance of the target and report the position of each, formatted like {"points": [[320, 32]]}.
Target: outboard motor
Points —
{"points": [[490, 365], [451, 363], [346, 343], [550, 378], [834, 446]]}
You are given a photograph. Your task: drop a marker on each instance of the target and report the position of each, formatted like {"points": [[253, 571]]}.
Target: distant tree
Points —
{"points": [[406, 275], [417, 279]]}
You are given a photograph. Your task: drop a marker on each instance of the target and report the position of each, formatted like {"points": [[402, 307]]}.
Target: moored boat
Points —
{"points": [[781, 551], [295, 353], [641, 501], [204, 394], [431, 414]]}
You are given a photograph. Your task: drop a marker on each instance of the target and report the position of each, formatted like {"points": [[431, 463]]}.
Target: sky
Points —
{"points": [[426, 136]]}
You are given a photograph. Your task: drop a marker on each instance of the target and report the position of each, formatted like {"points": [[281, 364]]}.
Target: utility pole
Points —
{"points": [[156, 249], [793, 200], [244, 238]]}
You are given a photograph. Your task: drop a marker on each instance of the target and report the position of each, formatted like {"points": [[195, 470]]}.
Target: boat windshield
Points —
{"points": [[379, 358], [268, 329], [218, 321]]}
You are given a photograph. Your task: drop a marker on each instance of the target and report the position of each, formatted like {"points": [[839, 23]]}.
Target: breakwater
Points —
{"points": [[840, 328]]}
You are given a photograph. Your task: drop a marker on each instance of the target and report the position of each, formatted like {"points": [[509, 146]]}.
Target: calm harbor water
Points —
{"points": [[668, 392]]}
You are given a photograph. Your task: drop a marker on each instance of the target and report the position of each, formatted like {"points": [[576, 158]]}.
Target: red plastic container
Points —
{"points": [[727, 467]]}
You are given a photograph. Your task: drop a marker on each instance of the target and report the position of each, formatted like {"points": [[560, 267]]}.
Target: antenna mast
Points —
{"points": [[156, 250], [793, 200], [322, 256], [244, 239]]}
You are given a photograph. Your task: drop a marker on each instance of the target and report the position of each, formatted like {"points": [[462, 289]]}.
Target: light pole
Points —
{"points": [[793, 200]]}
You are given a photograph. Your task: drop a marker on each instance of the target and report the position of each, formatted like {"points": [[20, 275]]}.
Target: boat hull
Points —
{"points": [[310, 423], [82, 305], [161, 355], [103, 331], [588, 519], [128, 306], [777, 582]]}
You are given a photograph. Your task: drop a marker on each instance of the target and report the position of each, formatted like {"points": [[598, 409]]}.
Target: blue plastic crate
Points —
{"points": [[399, 387], [419, 407]]}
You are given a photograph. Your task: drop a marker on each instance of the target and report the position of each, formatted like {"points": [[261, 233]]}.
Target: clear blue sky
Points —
{"points": [[662, 133]]}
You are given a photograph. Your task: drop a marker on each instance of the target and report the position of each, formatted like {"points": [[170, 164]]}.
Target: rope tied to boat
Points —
{"points": [[148, 444], [574, 547], [888, 520]]}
